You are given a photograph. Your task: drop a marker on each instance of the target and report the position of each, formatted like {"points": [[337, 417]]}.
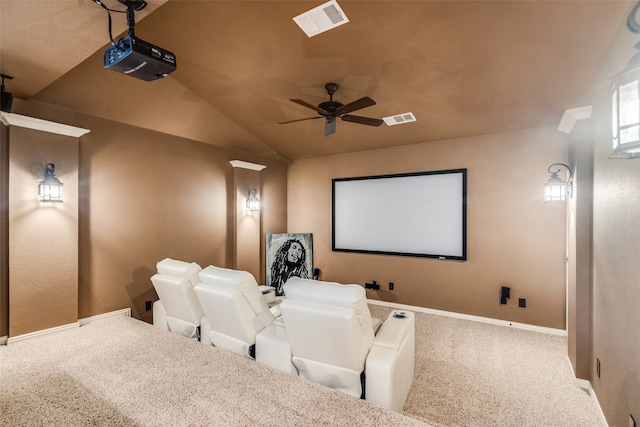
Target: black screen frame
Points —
{"points": [[460, 255]]}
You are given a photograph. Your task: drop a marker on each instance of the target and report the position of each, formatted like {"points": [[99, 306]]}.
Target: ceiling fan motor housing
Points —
{"points": [[329, 108]]}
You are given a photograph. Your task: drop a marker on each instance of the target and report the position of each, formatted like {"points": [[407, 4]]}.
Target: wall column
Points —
{"points": [[42, 242], [4, 233], [247, 225]]}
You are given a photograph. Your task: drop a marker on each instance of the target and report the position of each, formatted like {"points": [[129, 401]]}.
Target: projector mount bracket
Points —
{"points": [[132, 7]]}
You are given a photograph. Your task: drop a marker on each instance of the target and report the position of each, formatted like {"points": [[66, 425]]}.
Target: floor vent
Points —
{"points": [[321, 18]]}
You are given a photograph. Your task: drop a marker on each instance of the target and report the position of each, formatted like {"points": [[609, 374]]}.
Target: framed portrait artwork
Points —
{"points": [[288, 255]]}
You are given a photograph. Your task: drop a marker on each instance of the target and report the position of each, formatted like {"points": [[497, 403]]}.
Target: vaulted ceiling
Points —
{"points": [[462, 68]]}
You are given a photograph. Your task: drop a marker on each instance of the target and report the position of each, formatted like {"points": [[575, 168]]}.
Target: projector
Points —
{"points": [[138, 58]]}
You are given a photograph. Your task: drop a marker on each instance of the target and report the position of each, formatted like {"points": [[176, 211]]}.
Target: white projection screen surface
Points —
{"points": [[421, 214]]}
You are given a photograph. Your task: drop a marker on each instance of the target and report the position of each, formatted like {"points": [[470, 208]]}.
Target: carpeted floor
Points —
{"points": [[476, 374], [123, 372]]}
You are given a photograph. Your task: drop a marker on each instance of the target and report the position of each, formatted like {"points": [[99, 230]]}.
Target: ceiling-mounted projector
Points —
{"points": [[133, 56], [138, 58]]}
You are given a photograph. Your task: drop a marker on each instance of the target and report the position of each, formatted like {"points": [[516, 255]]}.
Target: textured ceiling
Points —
{"points": [[462, 67]]}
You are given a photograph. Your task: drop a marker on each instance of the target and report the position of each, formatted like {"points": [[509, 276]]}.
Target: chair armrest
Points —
{"points": [[205, 331], [273, 349], [390, 364], [268, 293], [160, 315], [394, 329]]}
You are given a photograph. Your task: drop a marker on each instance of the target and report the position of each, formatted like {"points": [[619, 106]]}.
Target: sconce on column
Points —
{"points": [[253, 203], [555, 189], [50, 188]]}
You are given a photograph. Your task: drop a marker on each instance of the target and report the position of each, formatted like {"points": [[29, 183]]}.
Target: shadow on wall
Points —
{"points": [[140, 291]]}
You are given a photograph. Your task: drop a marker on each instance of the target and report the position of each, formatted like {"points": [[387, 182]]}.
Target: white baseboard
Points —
{"points": [[36, 334], [552, 331], [586, 385], [81, 322], [3, 340], [86, 320]]}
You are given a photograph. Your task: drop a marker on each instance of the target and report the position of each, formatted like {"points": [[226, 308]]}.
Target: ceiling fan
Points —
{"points": [[331, 110]]}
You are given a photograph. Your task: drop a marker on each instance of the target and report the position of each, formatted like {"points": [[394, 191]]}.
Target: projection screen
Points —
{"points": [[420, 214]]}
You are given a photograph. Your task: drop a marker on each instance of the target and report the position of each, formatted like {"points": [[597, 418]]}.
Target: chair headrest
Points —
{"points": [[215, 275], [333, 293], [175, 268]]}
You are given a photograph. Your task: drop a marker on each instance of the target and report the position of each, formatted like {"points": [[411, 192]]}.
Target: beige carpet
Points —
{"points": [[123, 372], [476, 374], [120, 371]]}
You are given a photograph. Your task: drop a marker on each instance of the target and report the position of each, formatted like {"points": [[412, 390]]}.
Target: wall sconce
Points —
{"points": [[625, 102], [555, 189], [50, 188], [253, 203]]}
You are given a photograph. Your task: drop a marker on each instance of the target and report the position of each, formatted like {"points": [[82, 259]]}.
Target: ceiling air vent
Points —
{"points": [[399, 119], [321, 18]]}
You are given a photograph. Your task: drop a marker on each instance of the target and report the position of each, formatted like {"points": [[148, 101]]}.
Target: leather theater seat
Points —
{"points": [[178, 309], [333, 342], [237, 314]]}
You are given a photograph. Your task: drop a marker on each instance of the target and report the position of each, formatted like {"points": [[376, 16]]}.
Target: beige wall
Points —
{"points": [[579, 238], [4, 230], [616, 279], [144, 196], [513, 237], [43, 237]]}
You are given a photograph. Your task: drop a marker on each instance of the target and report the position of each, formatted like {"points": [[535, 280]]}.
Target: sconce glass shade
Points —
{"points": [[625, 109], [555, 189], [253, 203], [50, 188]]}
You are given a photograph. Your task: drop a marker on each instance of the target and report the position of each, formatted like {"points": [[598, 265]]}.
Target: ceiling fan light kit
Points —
{"points": [[321, 18], [331, 110]]}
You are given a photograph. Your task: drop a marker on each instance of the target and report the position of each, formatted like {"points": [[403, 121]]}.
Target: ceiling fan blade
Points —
{"points": [[299, 120], [329, 127], [369, 121], [356, 105], [306, 104]]}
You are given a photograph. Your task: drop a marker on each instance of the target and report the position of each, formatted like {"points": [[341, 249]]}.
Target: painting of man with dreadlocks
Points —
{"points": [[288, 255]]}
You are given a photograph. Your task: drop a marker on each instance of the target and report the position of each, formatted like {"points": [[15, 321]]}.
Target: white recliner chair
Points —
{"points": [[178, 309], [332, 340], [237, 313]]}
